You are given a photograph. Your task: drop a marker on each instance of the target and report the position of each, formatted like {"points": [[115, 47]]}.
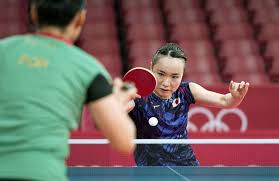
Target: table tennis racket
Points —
{"points": [[144, 80]]}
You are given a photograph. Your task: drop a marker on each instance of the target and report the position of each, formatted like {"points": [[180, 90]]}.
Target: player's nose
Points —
{"points": [[166, 82]]}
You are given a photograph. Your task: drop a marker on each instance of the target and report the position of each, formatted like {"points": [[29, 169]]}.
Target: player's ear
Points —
{"points": [[80, 18], [34, 14], [77, 24]]}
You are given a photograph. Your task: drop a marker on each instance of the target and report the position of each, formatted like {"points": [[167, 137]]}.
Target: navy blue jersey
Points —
{"points": [[157, 118]]}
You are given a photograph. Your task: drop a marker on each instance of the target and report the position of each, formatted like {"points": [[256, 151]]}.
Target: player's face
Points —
{"points": [[169, 72]]}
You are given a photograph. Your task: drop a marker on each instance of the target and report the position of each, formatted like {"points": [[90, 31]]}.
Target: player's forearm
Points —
{"points": [[114, 123], [122, 131], [124, 140]]}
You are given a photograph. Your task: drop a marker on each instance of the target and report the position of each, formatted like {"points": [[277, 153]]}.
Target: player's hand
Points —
{"points": [[125, 93], [238, 90]]}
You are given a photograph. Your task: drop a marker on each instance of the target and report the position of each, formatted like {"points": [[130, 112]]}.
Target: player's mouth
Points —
{"points": [[164, 90]]}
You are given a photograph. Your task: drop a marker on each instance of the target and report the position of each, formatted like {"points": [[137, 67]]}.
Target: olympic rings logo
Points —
{"points": [[216, 123]]}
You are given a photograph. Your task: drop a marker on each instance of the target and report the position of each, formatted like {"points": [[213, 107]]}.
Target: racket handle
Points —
{"points": [[127, 86]]}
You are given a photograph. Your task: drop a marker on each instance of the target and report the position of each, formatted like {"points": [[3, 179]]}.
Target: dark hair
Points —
{"points": [[170, 50], [57, 12]]}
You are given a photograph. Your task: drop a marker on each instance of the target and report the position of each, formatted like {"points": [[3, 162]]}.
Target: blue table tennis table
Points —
{"points": [[173, 173]]}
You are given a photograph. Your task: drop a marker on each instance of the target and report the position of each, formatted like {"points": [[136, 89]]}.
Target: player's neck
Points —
{"points": [[55, 33], [162, 98]]}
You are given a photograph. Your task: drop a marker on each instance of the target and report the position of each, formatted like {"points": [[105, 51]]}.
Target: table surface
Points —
{"points": [[173, 173]]}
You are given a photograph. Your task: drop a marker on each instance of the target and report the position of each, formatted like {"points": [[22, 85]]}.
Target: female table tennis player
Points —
{"points": [[163, 114]]}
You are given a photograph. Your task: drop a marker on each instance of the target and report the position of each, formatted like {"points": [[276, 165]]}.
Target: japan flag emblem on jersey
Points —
{"points": [[176, 102]]}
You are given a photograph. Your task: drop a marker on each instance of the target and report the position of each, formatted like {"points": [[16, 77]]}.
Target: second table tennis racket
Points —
{"points": [[144, 80]]}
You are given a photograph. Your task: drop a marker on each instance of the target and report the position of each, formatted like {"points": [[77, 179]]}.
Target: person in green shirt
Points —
{"points": [[44, 83]]}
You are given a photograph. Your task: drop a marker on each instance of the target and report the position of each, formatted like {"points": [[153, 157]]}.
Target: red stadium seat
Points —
{"points": [[252, 78], [212, 5], [141, 61], [11, 4], [228, 16], [238, 47], [204, 79], [13, 17], [139, 4], [99, 3], [271, 50], [138, 32], [189, 16], [181, 5], [95, 31], [8, 29], [274, 71], [197, 48], [10, 14], [205, 64], [141, 52], [243, 65], [112, 63], [142, 21], [269, 31], [101, 46], [254, 5], [266, 15], [190, 32], [98, 15], [144, 16], [234, 31]]}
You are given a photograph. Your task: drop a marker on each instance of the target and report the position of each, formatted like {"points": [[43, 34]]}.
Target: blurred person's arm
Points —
{"points": [[110, 114], [237, 92]]}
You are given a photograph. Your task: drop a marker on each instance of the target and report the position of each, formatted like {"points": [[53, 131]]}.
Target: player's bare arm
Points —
{"points": [[116, 126], [237, 92]]}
